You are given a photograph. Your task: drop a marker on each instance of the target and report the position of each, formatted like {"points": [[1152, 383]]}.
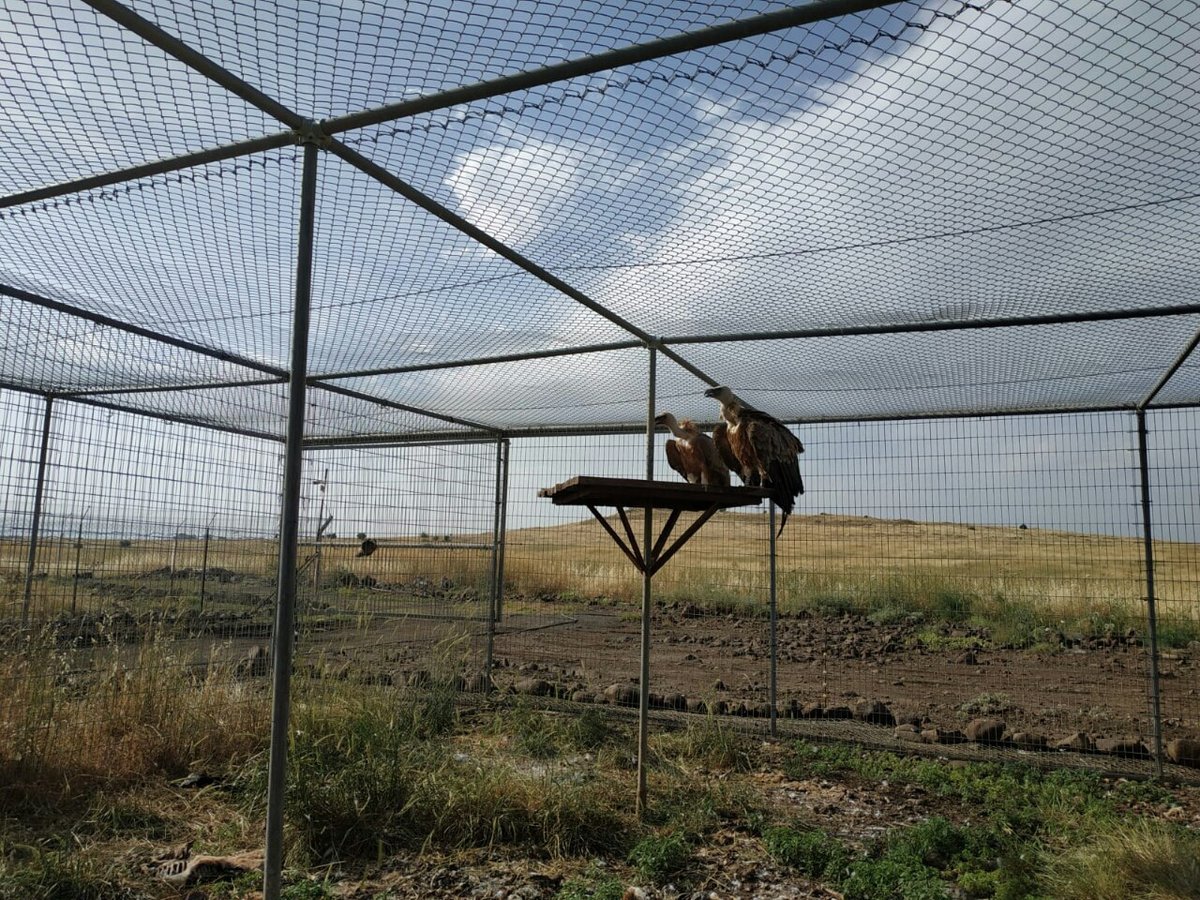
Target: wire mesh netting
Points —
{"points": [[955, 241], [894, 168]]}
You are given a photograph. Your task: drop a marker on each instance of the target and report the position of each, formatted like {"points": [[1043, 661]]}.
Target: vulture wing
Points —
{"points": [[712, 468], [675, 459], [721, 440]]}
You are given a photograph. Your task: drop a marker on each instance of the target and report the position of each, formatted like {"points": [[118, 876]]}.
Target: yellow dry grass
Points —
{"points": [[819, 555]]}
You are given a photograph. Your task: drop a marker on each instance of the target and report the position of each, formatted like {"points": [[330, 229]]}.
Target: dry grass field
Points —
{"points": [[405, 787]]}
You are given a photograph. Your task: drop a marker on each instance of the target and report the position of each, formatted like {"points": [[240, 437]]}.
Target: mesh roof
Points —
{"points": [[819, 215]]}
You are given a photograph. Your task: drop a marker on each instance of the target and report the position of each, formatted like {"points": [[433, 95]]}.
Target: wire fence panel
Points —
{"points": [[1172, 440], [396, 561], [152, 582], [954, 577], [941, 581]]}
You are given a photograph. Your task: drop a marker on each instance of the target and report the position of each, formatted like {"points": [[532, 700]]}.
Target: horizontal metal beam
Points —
{"points": [[168, 43], [1171, 370], [384, 441], [178, 420], [148, 170], [600, 62], [483, 360], [1149, 312], [427, 203], [453, 219], [403, 407], [110, 322], [171, 388]]}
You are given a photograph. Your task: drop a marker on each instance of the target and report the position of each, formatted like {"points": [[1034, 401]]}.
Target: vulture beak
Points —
{"points": [[713, 392], [660, 419]]}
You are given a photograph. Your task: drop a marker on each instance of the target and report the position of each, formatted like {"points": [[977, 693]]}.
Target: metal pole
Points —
{"points": [[772, 684], [643, 757], [289, 532], [493, 581], [35, 525], [503, 533], [317, 543], [1151, 612], [204, 567], [78, 553]]}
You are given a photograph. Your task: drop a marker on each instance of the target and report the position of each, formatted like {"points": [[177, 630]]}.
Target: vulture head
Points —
{"points": [[721, 394]]}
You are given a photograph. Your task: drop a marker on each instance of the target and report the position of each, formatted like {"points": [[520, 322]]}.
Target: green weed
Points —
{"points": [[659, 857]]}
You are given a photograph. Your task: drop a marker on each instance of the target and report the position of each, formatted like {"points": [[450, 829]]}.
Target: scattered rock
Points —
{"points": [[1184, 751], [985, 731], [1080, 742], [582, 696], [1028, 740], [967, 658], [1130, 748], [907, 732], [622, 694], [943, 736], [674, 701], [812, 711], [696, 705], [874, 711], [839, 712], [419, 678]]}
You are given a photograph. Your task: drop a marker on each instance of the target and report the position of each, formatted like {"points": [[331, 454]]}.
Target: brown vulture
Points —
{"points": [[760, 449], [693, 454], [367, 548]]}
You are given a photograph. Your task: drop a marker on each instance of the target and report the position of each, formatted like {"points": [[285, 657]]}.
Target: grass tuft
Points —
{"points": [[1142, 860]]}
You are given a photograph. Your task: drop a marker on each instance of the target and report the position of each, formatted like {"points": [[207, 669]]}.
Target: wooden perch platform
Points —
{"points": [[676, 496]]}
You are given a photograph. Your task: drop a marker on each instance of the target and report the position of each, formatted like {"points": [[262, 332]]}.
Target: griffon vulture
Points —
{"points": [[760, 449], [693, 454]]}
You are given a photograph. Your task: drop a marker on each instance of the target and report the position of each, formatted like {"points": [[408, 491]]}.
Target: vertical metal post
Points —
{"points": [[78, 553], [35, 526], [494, 578], [643, 756], [771, 679], [503, 530], [204, 567], [316, 594], [289, 532], [1151, 611]]}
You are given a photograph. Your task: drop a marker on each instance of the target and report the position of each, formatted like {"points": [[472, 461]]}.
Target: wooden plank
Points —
{"points": [[588, 490]]}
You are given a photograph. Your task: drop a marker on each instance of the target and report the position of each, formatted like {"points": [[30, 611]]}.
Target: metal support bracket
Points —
{"points": [[658, 558]]}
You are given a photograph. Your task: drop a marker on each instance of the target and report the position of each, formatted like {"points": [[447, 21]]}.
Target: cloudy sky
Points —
{"points": [[927, 162]]}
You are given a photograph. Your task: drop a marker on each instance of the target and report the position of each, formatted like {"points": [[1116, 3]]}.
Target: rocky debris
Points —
{"points": [[812, 711], [985, 731], [1184, 751], [1130, 748], [874, 711], [967, 658], [1028, 740], [838, 712], [533, 687], [696, 705], [419, 678], [622, 694], [908, 732], [674, 701], [582, 696], [1080, 742], [943, 736]]}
